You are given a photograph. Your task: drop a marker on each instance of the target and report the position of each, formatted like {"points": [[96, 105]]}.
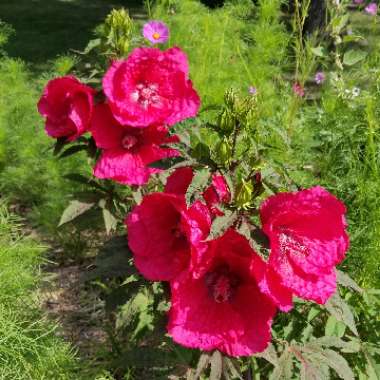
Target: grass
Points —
{"points": [[29, 348], [46, 29]]}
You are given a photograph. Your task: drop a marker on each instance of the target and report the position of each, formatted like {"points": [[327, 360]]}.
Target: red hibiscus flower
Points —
{"points": [[223, 309], [151, 87], [216, 194], [307, 233], [127, 151], [166, 237], [67, 105]]}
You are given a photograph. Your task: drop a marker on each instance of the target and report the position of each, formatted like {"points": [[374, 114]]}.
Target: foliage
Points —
{"points": [[29, 348]]}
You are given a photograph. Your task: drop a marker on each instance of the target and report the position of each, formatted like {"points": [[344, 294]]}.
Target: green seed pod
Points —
{"points": [[244, 194]]}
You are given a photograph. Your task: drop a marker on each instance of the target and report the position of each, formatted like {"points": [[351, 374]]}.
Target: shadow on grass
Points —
{"points": [[47, 28]]}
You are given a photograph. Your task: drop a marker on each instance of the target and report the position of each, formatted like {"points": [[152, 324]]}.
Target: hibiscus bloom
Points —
{"points": [[308, 238], [156, 32], [223, 309], [151, 87], [126, 151], [166, 237], [67, 106], [217, 193]]}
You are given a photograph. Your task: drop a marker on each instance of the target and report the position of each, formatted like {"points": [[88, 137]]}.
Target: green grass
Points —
{"points": [[29, 348], [46, 29]]}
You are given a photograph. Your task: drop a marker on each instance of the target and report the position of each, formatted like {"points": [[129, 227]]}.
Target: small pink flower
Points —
{"points": [[67, 105], [371, 9], [308, 238], [298, 89], [252, 90], [156, 32], [126, 151], [320, 77], [151, 87], [224, 308]]}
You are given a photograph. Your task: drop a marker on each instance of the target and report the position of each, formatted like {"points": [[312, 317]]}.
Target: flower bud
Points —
{"points": [[226, 122], [244, 194], [118, 31], [223, 151], [230, 98]]}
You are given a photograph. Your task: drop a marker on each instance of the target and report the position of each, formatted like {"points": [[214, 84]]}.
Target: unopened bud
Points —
{"points": [[244, 194], [226, 122], [224, 151]]}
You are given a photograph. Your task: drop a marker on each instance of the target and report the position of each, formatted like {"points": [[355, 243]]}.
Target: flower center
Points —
{"points": [[222, 284], [129, 141], [156, 36], [146, 95]]}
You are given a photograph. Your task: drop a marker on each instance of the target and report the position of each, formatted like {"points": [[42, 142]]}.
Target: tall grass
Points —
{"points": [[29, 348]]}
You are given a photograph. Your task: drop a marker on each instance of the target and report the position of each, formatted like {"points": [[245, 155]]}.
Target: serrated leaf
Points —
{"points": [[198, 184], [339, 364], [351, 57], [203, 362], [232, 368], [166, 163], [92, 44], [72, 150], [77, 177], [311, 371], [221, 224], [334, 327], [345, 280], [110, 222], [216, 366], [284, 368], [74, 210], [337, 307], [269, 355]]}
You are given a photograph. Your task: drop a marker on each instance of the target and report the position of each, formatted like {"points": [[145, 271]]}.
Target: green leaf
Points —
{"points": [[337, 307], [232, 366], [110, 222], [113, 260], [319, 51], [92, 44], [221, 224], [166, 163], [345, 280], [269, 355], [59, 144], [351, 57], [334, 327], [198, 184], [284, 368], [72, 150], [339, 364], [74, 210], [201, 152], [216, 366]]}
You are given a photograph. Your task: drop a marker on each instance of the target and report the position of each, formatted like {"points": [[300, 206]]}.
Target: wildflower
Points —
{"points": [[320, 77], [126, 151], [371, 9], [298, 89], [166, 237], [223, 309], [307, 234], [151, 87], [67, 105], [252, 90], [156, 32]]}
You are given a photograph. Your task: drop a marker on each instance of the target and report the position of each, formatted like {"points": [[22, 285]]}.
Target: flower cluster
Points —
{"points": [[224, 294], [145, 94]]}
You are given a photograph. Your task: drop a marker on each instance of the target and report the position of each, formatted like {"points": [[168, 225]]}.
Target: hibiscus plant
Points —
{"points": [[222, 246]]}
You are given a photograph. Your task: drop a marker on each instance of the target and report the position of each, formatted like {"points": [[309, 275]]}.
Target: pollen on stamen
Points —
{"points": [[156, 36]]}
